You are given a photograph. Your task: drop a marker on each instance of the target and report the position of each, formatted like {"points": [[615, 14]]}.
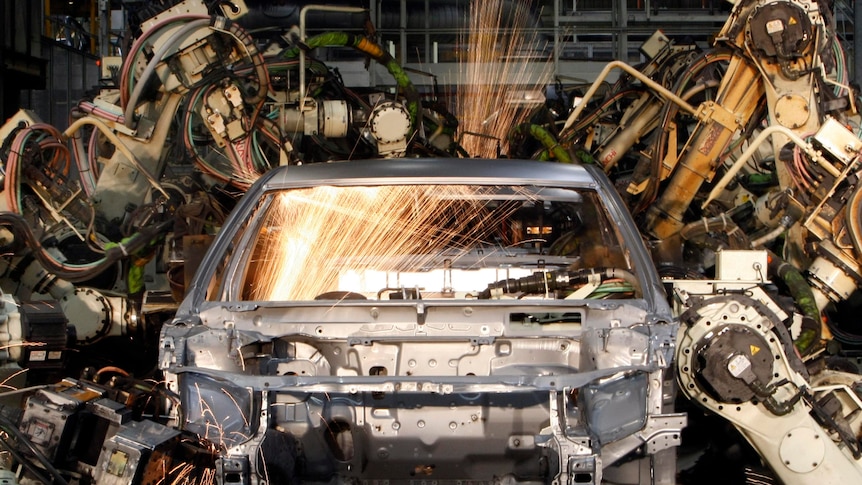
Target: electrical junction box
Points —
{"points": [[741, 265], [654, 45], [110, 66], [838, 140]]}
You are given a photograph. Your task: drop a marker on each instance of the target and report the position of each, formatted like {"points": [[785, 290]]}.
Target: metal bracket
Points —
{"points": [[663, 431]]}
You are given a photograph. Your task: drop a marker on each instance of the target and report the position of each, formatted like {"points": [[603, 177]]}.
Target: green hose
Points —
{"points": [[552, 146], [804, 298]]}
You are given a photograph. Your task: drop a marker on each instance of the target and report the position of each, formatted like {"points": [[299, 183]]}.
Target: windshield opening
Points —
{"points": [[400, 242]]}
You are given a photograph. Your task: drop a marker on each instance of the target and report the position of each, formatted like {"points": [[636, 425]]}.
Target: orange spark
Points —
{"points": [[497, 73], [313, 237]]}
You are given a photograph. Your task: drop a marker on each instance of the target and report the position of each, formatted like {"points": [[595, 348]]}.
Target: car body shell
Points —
{"points": [[412, 389]]}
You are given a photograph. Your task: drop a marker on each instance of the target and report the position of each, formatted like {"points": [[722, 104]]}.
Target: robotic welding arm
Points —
{"points": [[735, 357], [781, 91], [84, 213], [781, 109]]}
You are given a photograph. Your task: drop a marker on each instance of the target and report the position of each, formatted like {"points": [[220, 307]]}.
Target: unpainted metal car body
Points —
{"points": [[419, 320]]}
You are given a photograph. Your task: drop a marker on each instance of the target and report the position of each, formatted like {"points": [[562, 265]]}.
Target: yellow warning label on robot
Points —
{"points": [[754, 349]]}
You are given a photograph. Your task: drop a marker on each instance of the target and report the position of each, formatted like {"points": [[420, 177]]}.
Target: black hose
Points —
{"points": [[12, 429], [541, 282], [33, 469]]}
